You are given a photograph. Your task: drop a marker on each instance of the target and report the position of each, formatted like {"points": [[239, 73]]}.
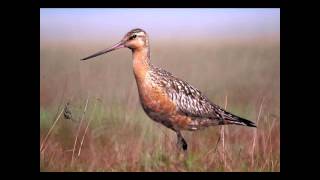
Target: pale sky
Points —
{"points": [[84, 24]]}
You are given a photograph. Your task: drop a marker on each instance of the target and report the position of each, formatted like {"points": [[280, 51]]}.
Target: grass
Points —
{"points": [[143, 145], [116, 135]]}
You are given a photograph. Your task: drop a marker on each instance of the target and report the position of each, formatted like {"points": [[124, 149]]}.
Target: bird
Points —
{"points": [[167, 99]]}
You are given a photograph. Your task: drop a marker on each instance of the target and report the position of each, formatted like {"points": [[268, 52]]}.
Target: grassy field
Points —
{"points": [[114, 134]]}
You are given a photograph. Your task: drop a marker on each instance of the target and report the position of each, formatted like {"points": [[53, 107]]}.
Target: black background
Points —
{"points": [[20, 70]]}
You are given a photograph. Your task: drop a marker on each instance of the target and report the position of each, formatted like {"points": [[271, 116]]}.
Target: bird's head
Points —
{"points": [[135, 39]]}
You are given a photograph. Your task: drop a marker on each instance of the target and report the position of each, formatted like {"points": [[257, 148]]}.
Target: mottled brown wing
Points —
{"points": [[191, 102], [188, 99]]}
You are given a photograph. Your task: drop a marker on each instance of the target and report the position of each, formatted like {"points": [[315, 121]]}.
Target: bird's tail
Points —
{"points": [[233, 119], [243, 122]]}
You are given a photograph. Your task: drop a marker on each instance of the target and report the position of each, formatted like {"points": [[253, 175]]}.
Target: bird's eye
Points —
{"points": [[132, 37]]}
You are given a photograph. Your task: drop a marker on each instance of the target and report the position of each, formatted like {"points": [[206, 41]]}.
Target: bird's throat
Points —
{"points": [[141, 63]]}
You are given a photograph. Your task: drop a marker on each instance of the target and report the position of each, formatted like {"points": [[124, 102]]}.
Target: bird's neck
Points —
{"points": [[141, 63]]}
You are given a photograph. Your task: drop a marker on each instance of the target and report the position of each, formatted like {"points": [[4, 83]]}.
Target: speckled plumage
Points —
{"points": [[190, 102], [167, 99]]}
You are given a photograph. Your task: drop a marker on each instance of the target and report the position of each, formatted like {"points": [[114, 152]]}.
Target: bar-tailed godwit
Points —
{"points": [[167, 99]]}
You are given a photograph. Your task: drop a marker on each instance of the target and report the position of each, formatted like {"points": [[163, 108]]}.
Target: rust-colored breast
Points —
{"points": [[155, 98], [159, 107]]}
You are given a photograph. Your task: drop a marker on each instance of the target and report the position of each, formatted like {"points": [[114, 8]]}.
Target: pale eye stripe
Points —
{"points": [[140, 34]]}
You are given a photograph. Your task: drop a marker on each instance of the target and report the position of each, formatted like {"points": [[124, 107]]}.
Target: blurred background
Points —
{"points": [[231, 55]]}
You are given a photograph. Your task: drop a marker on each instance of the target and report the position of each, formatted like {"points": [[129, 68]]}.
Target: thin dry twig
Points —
{"points": [[223, 132], [54, 123], [49, 132], [222, 136], [76, 139], [255, 134], [219, 138], [85, 131]]}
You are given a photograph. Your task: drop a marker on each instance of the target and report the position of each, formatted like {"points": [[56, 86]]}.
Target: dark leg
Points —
{"points": [[181, 141]]}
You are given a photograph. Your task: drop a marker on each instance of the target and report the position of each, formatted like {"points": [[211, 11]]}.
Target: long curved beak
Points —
{"points": [[114, 47]]}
